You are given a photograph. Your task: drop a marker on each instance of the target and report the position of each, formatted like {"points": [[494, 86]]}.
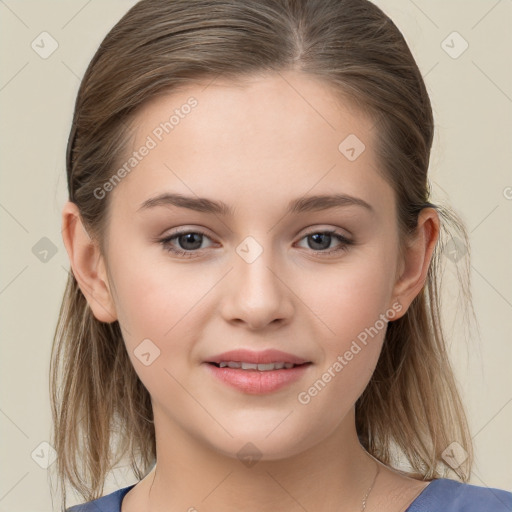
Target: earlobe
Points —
{"points": [[87, 264], [416, 259]]}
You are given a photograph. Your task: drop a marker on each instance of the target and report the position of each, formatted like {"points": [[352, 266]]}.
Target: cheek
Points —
{"points": [[156, 311], [357, 303], [152, 293], [355, 311], [163, 302], [355, 308], [352, 298], [156, 303]]}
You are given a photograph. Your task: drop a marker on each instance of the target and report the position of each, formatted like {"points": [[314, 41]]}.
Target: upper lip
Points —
{"points": [[250, 356]]}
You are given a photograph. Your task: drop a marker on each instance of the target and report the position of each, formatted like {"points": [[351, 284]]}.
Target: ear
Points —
{"points": [[87, 264], [416, 259]]}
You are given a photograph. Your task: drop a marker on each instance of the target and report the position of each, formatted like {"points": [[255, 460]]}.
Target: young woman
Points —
{"points": [[252, 316]]}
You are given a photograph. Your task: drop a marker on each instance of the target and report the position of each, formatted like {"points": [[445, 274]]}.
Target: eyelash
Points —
{"points": [[345, 243]]}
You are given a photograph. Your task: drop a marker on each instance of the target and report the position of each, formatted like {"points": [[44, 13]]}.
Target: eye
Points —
{"points": [[191, 241], [321, 240]]}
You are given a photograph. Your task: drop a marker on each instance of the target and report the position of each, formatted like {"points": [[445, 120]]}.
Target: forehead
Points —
{"points": [[261, 139]]}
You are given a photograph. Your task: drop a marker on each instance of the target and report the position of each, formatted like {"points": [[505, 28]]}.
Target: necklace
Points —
{"points": [[363, 505]]}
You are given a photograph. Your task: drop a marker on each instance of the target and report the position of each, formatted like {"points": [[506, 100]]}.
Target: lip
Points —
{"points": [[256, 382], [250, 356]]}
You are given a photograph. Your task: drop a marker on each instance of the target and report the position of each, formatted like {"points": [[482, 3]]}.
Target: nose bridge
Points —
{"points": [[256, 295]]}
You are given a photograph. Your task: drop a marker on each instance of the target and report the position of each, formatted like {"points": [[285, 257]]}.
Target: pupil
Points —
{"points": [[316, 241], [189, 238]]}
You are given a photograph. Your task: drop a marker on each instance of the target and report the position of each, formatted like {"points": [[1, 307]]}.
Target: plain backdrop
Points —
{"points": [[469, 78]]}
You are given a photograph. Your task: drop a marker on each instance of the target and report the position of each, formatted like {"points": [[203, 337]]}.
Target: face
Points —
{"points": [[314, 281]]}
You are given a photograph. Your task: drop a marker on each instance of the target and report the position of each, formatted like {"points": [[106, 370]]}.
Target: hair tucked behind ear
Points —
{"points": [[96, 394], [411, 402], [101, 410]]}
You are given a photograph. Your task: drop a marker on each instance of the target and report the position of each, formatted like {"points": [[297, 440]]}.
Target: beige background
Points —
{"points": [[470, 169]]}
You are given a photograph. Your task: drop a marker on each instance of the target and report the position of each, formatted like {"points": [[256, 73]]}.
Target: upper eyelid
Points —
{"points": [[307, 230]]}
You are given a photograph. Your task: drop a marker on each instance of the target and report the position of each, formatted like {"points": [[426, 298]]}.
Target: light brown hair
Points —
{"points": [[411, 404]]}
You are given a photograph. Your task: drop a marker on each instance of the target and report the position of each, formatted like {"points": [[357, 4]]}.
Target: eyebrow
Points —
{"points": [[300, 205]]}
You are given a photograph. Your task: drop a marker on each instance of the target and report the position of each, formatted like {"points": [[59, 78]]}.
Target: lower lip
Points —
{"points": [[256, 382]]}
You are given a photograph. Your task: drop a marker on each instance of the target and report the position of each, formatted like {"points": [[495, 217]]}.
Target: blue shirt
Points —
{"points": [[441, 495]]}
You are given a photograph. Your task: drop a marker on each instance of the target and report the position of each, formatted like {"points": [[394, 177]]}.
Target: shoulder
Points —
{"points": [[109, 503], [448, 495]]}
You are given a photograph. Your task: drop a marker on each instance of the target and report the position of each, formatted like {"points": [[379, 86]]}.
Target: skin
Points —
{"points": [[254, 145]]}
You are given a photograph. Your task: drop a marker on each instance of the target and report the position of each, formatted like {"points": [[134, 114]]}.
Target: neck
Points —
{"points": [[334, 474]]}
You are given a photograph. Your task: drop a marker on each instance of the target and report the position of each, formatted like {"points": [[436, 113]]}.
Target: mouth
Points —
{"points": [[257, 373], [252, 360]]}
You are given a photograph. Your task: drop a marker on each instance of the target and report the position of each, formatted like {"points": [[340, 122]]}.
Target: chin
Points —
{"points": [[263, 444]]}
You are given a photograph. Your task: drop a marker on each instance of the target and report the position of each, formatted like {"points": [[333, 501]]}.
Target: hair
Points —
{"points": [[411, 405]]}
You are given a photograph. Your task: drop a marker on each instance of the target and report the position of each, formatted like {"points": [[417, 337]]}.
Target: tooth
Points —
{"points": [[265, 367], [249, 366]]}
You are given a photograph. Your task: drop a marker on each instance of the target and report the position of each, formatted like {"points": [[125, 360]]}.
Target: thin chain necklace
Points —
{"points": [[363, 506]]}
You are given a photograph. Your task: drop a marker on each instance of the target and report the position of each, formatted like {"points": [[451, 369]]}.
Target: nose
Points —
{"points": [[256, 293]]}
